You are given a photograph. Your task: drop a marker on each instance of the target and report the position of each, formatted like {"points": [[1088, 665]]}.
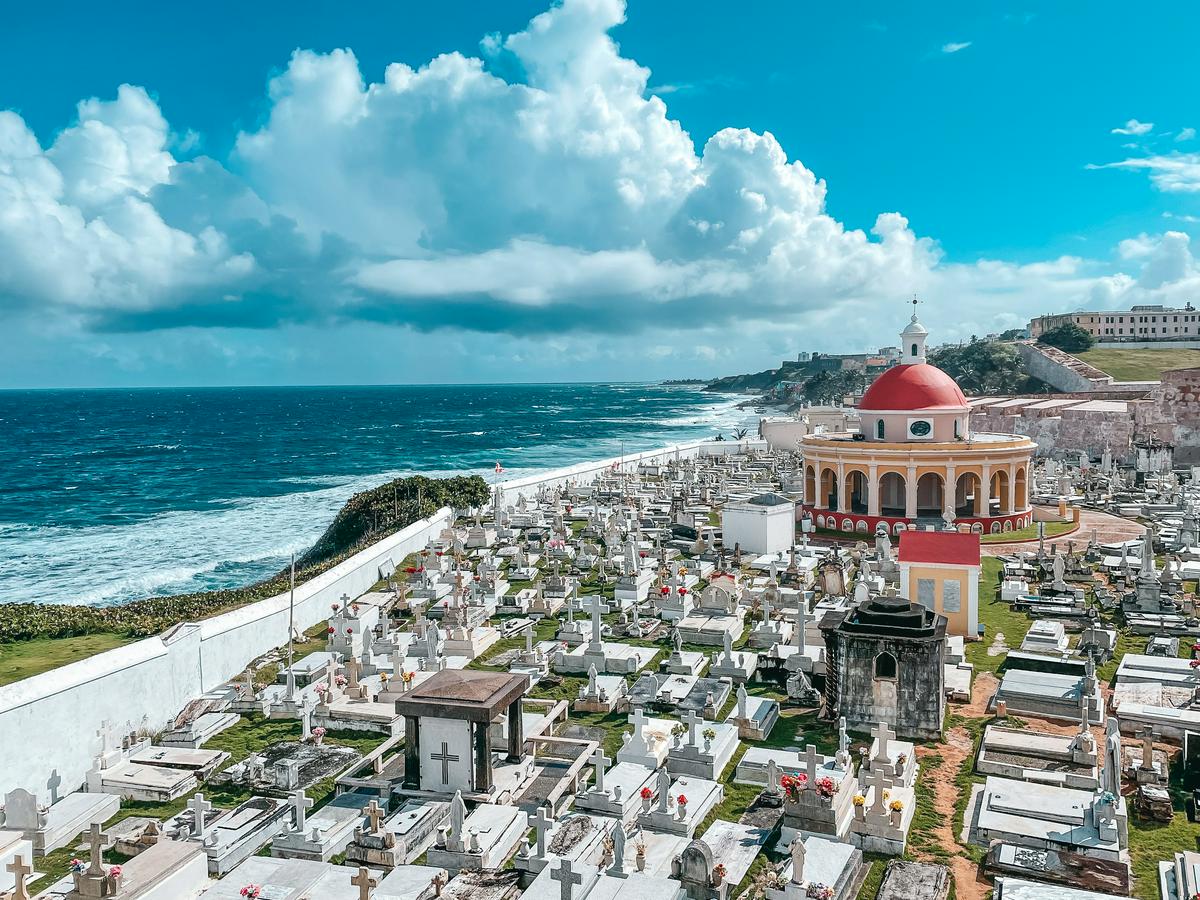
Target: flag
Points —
{"points": [[499, 468]]}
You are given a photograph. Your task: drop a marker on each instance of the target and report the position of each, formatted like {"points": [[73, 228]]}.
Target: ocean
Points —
{"points": [[112, 495]]}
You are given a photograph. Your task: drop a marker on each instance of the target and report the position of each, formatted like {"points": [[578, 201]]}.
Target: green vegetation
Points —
{"points": [[1053, 529], [1068, 337], [367, 517], [995, 615], [29, 658], [1139, 365], [986, 367]]}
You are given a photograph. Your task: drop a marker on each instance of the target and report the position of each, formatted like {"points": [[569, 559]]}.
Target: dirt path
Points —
{"points": [[955, 749], [1109, 530]]}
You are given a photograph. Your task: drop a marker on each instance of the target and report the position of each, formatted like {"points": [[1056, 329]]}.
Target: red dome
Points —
{"points": [[911, 387]]}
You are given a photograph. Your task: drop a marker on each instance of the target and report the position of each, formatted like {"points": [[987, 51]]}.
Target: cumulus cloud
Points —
{"points": [[539, 189], [1134, 127], [1174, 173]]}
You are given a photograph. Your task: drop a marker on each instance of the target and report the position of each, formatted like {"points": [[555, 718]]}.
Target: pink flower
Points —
{"points": [[114, 871]]}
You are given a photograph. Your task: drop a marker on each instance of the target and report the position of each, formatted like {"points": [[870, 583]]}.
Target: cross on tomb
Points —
{"points": [[882, 734], [811, 763], [53, 783], [300, 804], [691, 720], [19, 872], [353, 668], [200, 808], [96, 841], [364, 882], [445, 758], [375, 813], [566, 878], [598, 609], [542, 823], [600, 761], [876, 780]]}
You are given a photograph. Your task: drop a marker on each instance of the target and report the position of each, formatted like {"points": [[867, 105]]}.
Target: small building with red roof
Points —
{"points": [[915, 460], [940, 571]]}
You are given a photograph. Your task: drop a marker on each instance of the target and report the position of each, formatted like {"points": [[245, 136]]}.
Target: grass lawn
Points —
{"points": [[1139, 365], [1053, 529], [27, 658], [995, 615]]}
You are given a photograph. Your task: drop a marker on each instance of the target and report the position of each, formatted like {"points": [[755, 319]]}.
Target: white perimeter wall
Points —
{"points": [[49, 723]]}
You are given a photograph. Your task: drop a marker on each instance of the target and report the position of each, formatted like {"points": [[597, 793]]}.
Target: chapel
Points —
{"points": [[916, 460]]}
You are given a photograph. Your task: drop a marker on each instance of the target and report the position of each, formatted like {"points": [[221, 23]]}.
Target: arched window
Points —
{"points": [[879, 430], [885, 666], [914, 349], [957, 429]]}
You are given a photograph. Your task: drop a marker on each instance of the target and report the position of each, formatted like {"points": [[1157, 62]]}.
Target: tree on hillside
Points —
{"points": [[1069, 338], [985, 367], [830, 387]]}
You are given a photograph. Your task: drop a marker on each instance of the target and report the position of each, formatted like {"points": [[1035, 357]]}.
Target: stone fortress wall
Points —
{"points": [[49, 723]]}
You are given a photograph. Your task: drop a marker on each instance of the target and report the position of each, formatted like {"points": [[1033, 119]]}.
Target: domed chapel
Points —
{"points": [[916, 460]]}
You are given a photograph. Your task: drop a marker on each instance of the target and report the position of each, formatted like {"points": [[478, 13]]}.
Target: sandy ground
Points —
{"points": [[1109, 529], [954, 750]]}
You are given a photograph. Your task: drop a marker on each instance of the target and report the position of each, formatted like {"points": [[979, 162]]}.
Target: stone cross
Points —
{"points": [[878, 781], [1147, 737], [353, 667], [882, 734], [438, 881], [566, 879], [691, 720], [19, 872], [200, 808], [798, 854], [638, 721], [798, 636], [843, 753], [364, 882], [598, 609], [52, 784], [600, 761], [96, 841], [300, 804], [811, 764], [542, 823], [375, 813]]}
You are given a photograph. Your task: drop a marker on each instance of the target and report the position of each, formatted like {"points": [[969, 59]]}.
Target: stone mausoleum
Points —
{"points": [[884, 663], [916, 459]]}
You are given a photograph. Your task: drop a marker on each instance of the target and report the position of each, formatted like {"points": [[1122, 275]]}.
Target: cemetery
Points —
{"points": [[584, 688]]}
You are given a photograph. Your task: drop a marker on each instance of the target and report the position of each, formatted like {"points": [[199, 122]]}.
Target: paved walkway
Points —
{"points": [[1109, 529]]}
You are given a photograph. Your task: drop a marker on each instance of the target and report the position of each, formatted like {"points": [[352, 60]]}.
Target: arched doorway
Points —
{"points": [[1000, 490], [892, 491], [856, 491], [1022, 499], [810, 485], [968, 496], [829, 489], [931, 489]]}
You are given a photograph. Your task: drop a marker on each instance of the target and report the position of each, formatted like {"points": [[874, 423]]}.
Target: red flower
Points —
{"points": [[411, 570], [1195, 664], [665, 591], [682, 800], [646, 793], [682, 591], [332, 629], [439, 553], [349, 631]]}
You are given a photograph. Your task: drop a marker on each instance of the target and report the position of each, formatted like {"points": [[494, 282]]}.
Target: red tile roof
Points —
{"points": [[947, 547]]}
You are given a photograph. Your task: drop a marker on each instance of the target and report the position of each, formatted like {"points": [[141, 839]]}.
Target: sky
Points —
{"points": [[318, 193]]}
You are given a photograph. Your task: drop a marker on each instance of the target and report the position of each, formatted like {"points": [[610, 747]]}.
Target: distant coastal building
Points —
{"points": [[915, 459], [1138, 323]]}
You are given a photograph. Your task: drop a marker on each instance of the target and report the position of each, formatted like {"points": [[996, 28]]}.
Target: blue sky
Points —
{"points": [[545, 203]]}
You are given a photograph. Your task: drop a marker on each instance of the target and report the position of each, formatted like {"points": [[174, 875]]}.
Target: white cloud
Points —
{"points": [[447, 198], [1185, 134], [1134, 127], [1176, 173], [955, 47]]}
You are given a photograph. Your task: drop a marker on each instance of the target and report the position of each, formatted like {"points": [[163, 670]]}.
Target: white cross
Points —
{"points": [[883, 734], [598, 609], [200, 808], [300, 804], [364, 882], [566, 878], [600, 761], [810, 761], [19, 872], [542, 824], [691, 720], [876, 780]]}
